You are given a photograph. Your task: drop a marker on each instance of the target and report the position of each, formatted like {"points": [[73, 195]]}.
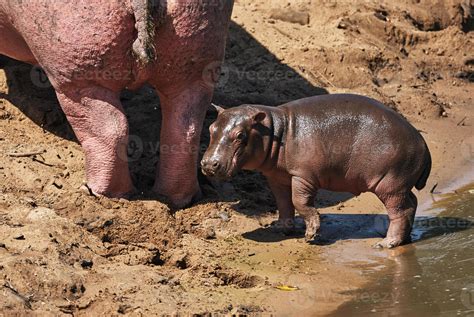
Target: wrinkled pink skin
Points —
{"points": [[85, 49]]}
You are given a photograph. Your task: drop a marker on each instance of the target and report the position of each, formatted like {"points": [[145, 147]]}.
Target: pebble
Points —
{"points": [[289, 15], [210, 233], [19, 237], [87, 264], [224, 216]]}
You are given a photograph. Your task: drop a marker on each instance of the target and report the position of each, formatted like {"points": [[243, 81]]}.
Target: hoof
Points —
{"points": [[312, 228], [388, 243], [308, 237], [284, 226], [180, 202], [86, 189]]}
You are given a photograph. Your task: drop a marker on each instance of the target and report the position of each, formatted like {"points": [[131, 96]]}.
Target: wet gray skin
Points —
{"points": [[431, 277], [339, 142]]}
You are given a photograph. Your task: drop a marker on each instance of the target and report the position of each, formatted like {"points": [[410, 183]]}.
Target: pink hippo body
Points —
{"points": [[85, 48]]}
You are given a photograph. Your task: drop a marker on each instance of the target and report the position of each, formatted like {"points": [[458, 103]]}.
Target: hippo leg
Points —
{"points": [[286, 210], [183, 115], [401, 212], [303, 195], [99, 122]]}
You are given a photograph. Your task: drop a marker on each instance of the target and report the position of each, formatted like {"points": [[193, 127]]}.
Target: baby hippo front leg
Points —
{"points": [[286, 210], [303, 195]]}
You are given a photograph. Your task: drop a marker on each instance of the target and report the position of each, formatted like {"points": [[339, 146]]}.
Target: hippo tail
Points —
{"points": [[421, 182], [148, 15]]}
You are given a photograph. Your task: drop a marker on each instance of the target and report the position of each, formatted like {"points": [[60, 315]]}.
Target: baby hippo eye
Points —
{"points": [[240, 136]]}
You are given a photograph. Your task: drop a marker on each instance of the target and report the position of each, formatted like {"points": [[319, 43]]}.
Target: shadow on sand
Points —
{"points": [[336, 227], [252, 74]]}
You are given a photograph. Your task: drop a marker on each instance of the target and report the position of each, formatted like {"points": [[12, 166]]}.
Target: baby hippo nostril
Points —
{"points": [[210, 166]]}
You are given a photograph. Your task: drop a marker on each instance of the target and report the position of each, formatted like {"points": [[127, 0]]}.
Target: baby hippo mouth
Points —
{"points": [[219, 170]]}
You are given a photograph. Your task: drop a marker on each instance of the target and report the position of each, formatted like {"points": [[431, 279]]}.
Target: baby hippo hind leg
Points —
{"points": [[401, 210], [303, 195], [286, 210]]}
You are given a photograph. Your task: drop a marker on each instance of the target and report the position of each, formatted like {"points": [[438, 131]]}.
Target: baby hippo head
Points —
{"points": [[236, 141]]}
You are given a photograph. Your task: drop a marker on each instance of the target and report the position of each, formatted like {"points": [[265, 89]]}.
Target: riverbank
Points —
{"points": [[63, 251]]}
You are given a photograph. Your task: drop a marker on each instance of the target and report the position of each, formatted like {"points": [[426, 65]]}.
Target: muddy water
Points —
{"points": [[433, 276]]}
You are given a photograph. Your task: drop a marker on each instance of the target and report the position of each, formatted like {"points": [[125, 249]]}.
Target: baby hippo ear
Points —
{"points": [[216, 108], [259, 117]]}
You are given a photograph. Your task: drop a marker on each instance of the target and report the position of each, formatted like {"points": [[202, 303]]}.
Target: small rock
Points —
{"points": [[289, 15], [210, 233], [224, 216], [86, 264], [78, 202], [19, 237], [30, 201], [3, 246], [179, 259], [381, 15], [42, 214], [123, 309], [342, 25], [107, 223]]}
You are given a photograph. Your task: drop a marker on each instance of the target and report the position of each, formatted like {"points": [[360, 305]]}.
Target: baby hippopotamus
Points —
{"points": [[340, 142]]}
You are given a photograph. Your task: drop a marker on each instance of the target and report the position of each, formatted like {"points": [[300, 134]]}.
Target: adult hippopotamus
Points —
{"points": [[343, 142], [91, 50]]}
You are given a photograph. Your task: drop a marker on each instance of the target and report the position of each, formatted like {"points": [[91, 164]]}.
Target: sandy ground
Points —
{"points": [[65, 252]]}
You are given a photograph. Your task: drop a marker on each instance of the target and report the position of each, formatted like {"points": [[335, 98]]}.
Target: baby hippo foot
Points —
{"points": [[389, 243], [313, 224], [284, 226]]}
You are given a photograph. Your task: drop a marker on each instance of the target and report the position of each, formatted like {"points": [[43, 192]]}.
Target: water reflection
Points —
{"points": [[432, 277]]}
